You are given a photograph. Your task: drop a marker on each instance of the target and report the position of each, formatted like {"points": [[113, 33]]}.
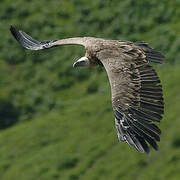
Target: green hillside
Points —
{"points": [[57, 122], [79, 141]]}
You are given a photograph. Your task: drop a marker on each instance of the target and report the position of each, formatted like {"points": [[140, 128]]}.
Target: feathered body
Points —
{"points": [[137, 98]]}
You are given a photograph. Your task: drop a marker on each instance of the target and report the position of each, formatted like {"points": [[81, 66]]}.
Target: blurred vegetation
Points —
{"points": [[56, 122]]}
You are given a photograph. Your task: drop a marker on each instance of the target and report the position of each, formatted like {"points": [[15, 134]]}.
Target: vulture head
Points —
{"points": [[137, 98], [84, 61]]}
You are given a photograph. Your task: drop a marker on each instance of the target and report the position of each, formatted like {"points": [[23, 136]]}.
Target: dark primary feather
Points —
{"points": [[28, 42], [139, 121], [137, 96], [132, 128]]}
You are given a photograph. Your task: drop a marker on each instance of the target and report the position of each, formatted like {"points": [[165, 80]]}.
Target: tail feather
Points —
{"points": [[151, 54]]}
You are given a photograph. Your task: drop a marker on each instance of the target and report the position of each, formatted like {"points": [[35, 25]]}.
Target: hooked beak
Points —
{"points": [[84, 61]]}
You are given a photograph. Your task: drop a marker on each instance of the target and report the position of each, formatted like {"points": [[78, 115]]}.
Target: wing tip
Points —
{"points": [[17, 35], [12, 28], [136, 136], [13, 31], [25, 40]]}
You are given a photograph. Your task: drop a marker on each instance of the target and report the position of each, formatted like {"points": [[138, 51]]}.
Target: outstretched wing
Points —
{"points": [[29, 43], [136, 93]]}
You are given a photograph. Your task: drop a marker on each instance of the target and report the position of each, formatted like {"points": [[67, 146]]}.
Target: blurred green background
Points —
{"points": [[56, 122]]}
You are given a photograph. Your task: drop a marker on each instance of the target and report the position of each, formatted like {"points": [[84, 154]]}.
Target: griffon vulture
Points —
{"points": [[137, 98]]}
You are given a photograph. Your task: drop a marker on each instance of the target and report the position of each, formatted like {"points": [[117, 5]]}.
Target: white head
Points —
{"points": [[83, 61]]}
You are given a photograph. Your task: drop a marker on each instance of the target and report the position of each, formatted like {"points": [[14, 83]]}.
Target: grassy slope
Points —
{"points": [[79, 141]]}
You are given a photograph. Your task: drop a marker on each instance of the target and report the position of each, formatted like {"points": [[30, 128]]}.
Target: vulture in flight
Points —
{"points": [[137, 98]]}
